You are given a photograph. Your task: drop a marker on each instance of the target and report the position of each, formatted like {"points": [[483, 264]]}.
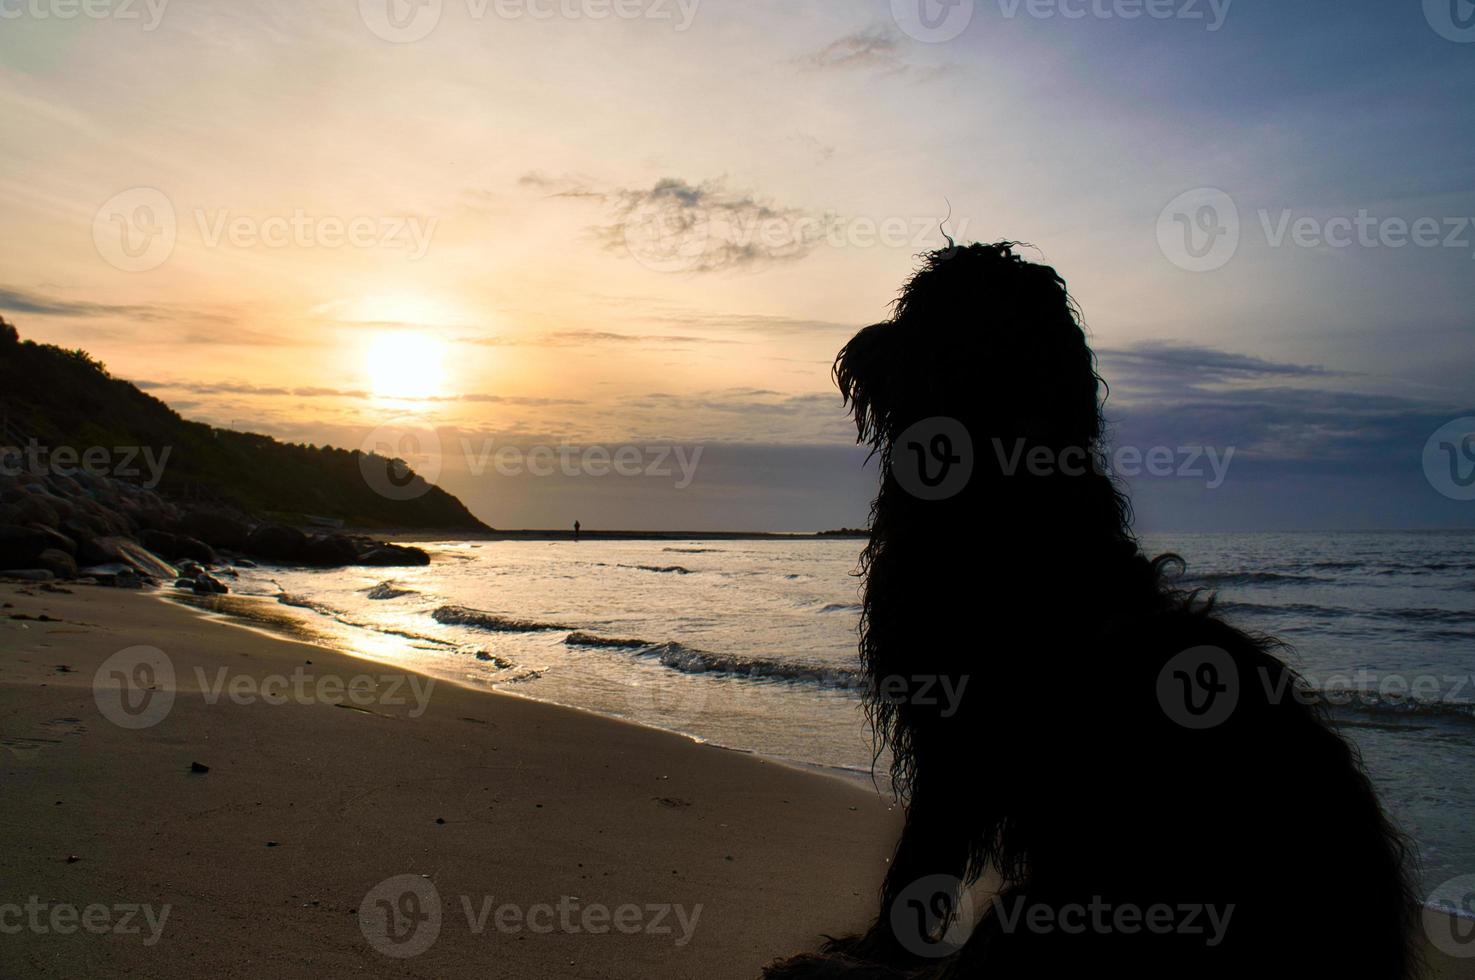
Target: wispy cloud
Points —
{"points": [[589, 338], [1188, 363], [677, 226], [255, 391], [265, 391], [871, 50], [37, 304]]}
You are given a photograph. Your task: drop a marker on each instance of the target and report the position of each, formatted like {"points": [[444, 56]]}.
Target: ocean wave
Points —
{"points": [[689, 660], [1405, 709], [693, 551], [387, 590], [581, 639], [1250, 578], [1429, 616], [663, 569], [303, 602], [1424, 615], [835, 607], [1287, 608], [501, 663], [479, 619], [1382, 567], [339, 616]]}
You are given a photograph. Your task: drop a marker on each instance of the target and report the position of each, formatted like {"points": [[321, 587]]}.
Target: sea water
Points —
{"points": [[751, 644]]}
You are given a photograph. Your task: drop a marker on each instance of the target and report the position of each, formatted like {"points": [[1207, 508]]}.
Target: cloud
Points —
{"points": [[677, 226], [36, 304], [584, 338], [758, 323], [744, 415], [262, 391], [1197, 364], [255, 391], [871, 50], [192, 325], [1275, 414], [512, 400]]}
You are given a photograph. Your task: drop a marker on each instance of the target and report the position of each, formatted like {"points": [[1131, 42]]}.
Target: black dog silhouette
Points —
{"points": [[1156, 791]]}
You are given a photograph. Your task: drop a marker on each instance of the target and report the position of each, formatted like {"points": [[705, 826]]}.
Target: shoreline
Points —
{"points": [[276, 852], [587, 534], [287, 627], [306, 808], [250, 614]]}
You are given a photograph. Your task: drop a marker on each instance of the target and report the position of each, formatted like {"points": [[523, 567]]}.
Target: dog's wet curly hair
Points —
{"points": [[1059, 773]]}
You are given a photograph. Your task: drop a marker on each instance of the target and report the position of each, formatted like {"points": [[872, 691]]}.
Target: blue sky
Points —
{"points": [[659, 228]]}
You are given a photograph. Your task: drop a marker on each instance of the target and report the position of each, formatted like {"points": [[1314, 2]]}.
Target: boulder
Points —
{"points": [[28, 574], [58, 563], [57, 540], [393, 554], [160, 542], [98, 550], [118, 550], [62, 505], [82, 527], [19, 546], [116, 574], [277, 542], [36, 508], [329, 551], [195, 550], [63, 486], [145, 562], [217, 529], [206, 585]]}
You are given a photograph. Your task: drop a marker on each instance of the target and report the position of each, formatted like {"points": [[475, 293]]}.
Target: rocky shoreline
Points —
{"points": [[86, 527]]}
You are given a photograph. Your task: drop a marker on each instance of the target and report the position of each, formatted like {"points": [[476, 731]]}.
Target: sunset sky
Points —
{"points": [[535, 224]]}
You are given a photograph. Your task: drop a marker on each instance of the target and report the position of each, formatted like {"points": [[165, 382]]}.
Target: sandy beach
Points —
{"points": [[520, 839], [669, 858]]}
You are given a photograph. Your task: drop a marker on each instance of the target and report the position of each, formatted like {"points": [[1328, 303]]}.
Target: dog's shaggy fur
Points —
{"points": [[1062, 772]]}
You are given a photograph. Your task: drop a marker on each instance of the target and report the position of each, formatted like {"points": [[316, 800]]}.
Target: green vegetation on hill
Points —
{"points": [[66, 398]]}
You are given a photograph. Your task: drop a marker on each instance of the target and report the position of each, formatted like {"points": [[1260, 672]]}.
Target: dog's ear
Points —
{"points": [[865, 371]]}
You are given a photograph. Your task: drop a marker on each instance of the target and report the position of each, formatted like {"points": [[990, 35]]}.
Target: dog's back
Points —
{"points": [[1200, 818], [1186, 812]]}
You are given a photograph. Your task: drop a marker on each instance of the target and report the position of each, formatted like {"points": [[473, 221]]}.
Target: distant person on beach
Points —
{"points": [[1127, 785], [576, 530]]}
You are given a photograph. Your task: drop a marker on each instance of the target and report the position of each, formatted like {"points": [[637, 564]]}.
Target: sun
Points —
{"points": [[406, 364]]}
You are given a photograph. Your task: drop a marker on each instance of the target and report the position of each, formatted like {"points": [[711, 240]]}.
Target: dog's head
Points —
{"points": [[982, 336]]}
